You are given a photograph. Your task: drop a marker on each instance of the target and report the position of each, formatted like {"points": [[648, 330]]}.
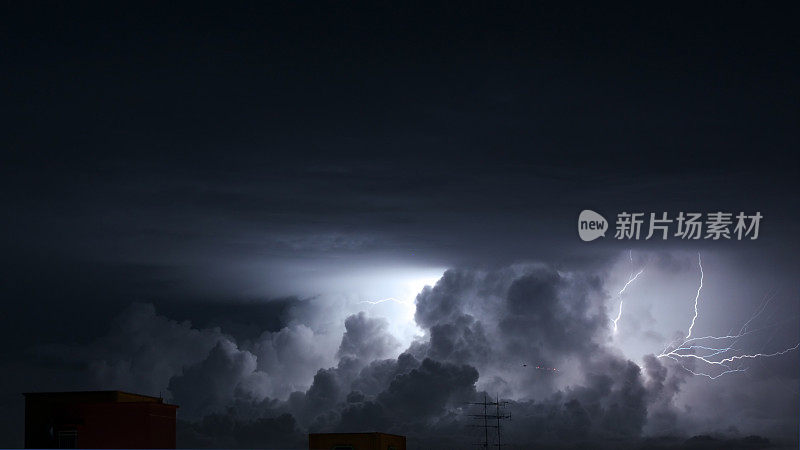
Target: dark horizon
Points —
{"points": [[241, 208]]}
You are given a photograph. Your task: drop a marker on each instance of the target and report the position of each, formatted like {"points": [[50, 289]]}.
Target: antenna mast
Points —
{"points": [[486, 416]]}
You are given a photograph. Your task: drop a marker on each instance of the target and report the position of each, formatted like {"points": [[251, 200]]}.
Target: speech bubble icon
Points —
{"points": [[591, 225]]}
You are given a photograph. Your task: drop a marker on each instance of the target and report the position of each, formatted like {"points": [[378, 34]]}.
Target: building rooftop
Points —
{"points": [[351, 434], [93, 397]]}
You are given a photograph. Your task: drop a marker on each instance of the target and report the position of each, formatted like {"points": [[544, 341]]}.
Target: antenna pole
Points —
{"points": [[497, 404], [485, 423]]}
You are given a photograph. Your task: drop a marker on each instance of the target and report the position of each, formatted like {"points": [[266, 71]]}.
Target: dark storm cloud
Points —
{"points": [[443, 302], [228, 431], [611, 403], [144, 350], [461, 340], [149, 353], [541, 316], [372, 379], [227, 373], [366, 338], [426, 391], [662, 386], [500, 320], [231, 391], [545, 309], [242, 320]]}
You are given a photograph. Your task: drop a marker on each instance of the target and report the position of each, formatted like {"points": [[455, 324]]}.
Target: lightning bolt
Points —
{"points": [[697, 296], [685, 350], [631, 279], [390, 299]]}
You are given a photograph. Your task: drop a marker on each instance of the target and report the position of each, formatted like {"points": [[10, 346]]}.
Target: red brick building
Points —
{"points": [[98, 419]]}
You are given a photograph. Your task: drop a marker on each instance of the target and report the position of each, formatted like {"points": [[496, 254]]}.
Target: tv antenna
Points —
{"points": [[490, 420]]}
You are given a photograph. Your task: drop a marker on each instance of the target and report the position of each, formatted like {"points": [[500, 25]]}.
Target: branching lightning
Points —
{"points": [[701, 350]]}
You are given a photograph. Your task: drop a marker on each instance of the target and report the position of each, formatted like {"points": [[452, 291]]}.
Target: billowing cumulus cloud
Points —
{"points": [[226, 373], [366, 339], [533, 335], [506, 320], [145, 350]]}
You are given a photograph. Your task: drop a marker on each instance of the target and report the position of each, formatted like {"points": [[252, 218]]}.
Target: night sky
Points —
{"points": [[240, 209]]}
